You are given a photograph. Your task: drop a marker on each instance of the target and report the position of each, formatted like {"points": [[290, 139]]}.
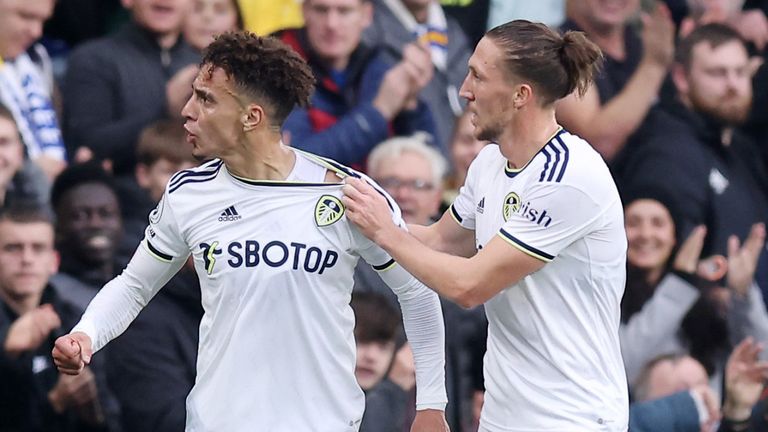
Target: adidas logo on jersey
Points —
{"points": [[230, 214], [481, 206]]}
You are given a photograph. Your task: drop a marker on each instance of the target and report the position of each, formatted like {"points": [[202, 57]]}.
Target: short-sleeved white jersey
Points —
{"points": [[275, 261], [553, 361]]}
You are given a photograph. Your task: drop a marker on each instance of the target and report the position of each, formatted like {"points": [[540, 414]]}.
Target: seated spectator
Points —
{"points": [[88, 231], [673, 303], [162, 151], [26, 82], [377, 329], [713, 172], [16, 183], [359, 100], [34, 397], [396, 23], [117, 85], [628, 86]]}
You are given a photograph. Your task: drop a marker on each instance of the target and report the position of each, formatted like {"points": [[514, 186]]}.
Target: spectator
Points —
{"points": [[118, 84], [712, 171], [680, 383], [34, 397], [632, 75], [672, 303], [26, 81], [396, 23], [671, 395], [359, 100], [15, 182], [377, 329], [88, 231]]}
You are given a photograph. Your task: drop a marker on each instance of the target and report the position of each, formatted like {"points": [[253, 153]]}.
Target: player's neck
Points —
{"points": [[266, 159], [526, 135]]}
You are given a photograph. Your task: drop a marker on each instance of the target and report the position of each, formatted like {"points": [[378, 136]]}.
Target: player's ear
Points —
{"points": [[252, 117], [523, 93]]}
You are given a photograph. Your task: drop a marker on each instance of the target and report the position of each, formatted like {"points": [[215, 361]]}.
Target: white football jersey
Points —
{"points": [[275, 261], [553, 361]]}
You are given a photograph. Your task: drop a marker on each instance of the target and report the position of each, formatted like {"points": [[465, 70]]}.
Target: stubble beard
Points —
{"points": [[735, 113]]}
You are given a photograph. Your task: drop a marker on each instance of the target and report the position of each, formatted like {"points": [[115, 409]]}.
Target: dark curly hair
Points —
{"points": [[264, 68]]}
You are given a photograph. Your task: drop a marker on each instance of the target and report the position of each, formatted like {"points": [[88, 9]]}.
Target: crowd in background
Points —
{"points": [[91, 130]]}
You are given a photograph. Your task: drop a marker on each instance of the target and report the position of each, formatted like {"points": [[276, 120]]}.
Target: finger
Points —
{"points": [[68, 366], [756, 240], [351, 192], [65, 346], [695, 241], [733, 246], [69, 370], [84, 344], [742, 348]]}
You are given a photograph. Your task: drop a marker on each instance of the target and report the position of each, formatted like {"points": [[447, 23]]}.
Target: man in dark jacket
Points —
{"points": [[118, 84], [34, 397], [693, 150], [359, 100]]}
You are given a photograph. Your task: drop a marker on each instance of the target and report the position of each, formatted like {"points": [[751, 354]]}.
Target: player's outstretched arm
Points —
{"points": [[466, 281], [72, 352], [119, 302]]}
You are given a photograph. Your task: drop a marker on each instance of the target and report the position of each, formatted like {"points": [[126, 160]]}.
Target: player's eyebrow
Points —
{"points": [[202, 94]]}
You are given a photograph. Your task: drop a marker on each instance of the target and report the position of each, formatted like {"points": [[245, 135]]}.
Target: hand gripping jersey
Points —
{"points": [[553, 361], [275, 261]]}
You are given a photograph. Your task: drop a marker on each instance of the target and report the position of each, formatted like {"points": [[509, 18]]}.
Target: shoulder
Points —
{"points": [[201, 174], [572, 163]]}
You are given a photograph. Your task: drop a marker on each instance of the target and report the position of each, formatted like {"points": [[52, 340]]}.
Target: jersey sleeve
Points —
{"points": [[118, 303], [162, 238], [549, 218], [422, 315]]}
